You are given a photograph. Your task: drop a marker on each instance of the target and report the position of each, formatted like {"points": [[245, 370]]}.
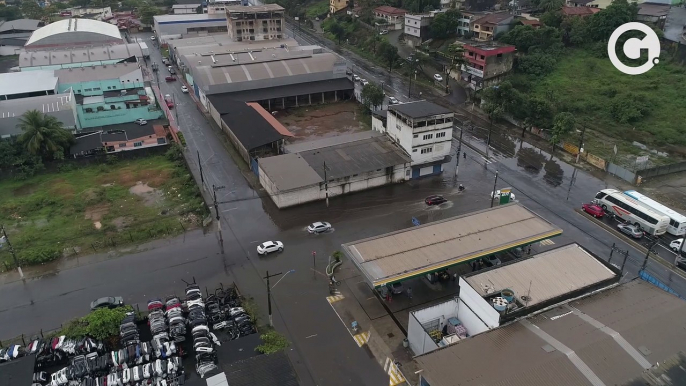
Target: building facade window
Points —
{"points": [[137, 144], [440, 135], [122, 145], [427, 150], [427, 136]]}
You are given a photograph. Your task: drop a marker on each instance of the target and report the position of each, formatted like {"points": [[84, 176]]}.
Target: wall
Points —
{"points": [[420, 341], [478, 305], [496, 66], [10, 50], [182, 28], [470, 320], [377, 124], [662, 170]]}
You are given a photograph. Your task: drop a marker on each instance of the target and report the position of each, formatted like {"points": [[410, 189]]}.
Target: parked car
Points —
{"points": [[171, 70], [153, 37], [356, 78], [269, 247], [438, 78], [348, 71], [491, 261], [165, 61], [676, 245], [184, 89], [496, 195], [631, 230], [170, 78], [593, 210], [107, 302], [434, 200], [319, 227], [383, 32], [393, 101], [364, 82], [396, 288], [140, 121]]}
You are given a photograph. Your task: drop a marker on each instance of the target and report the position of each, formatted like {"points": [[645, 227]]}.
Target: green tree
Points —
{"points": [[373, 42], [444, 24], [456, 52], [146, 13], [31, 9], [272, 342], [43, 135], [550, 5], [602, 24], [338, 31], [372, 96], [574, 31], [539, 113], [563, 123], [536, 64], [10, 13], [389, 53], [552, 18]]}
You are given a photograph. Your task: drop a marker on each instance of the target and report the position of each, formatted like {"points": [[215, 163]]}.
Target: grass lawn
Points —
{"points": [[588, 87], [165, 52], [49, 215], [316, 9]]}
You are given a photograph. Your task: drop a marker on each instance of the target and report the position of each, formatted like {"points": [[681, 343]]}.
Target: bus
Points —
{"points": [[632, 211], [677, 221]]}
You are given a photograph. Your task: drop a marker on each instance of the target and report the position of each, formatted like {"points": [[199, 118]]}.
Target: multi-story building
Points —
{"points": [[424, 130], [337, 6], [264, 22], [486, 27], [465, 21], [393, 16], [417, 28], [486, 63], [110, 94]]}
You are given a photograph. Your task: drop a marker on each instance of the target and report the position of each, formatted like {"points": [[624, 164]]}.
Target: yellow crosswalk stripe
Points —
{"points": [[395, 375], [546, 242], [335, 298], [361, 338]]}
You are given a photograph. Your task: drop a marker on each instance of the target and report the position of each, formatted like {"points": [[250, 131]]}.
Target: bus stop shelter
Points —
{"points": [[428, 248]]}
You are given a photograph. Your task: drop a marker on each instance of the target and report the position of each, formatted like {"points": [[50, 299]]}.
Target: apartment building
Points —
{"points": [[264, 22], [486, 63], [488, 26]]}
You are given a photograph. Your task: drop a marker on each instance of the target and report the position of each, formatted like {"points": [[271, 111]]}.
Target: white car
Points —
{"points": [[393, 101], [383, 32], [140, 122], [676, 245], [364, 82], [153, 37], [319, 227], [184, 89], [496, 195], [356, 78], [438, 77], [269, 246]]}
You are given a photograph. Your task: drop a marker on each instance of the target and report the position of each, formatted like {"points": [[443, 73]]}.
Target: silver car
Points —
{"points": [[631, 230], [319, 227]]}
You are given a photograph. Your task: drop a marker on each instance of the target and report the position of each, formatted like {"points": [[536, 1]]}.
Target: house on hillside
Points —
{"points": [[579, 11], [532, 23], [486, 64], [417, 28], [394, 17], [653, 13], [488, 26], [577, 3], [336, 6]]}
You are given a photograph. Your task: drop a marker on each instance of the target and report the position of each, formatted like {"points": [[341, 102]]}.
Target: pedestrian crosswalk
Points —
{"points": [[546, 242], [396, 377], [335, 298], [362, 338]]}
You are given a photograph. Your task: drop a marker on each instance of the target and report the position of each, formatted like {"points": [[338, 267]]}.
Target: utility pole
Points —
{"points": [[494, 185], [488, 141], [216, 210], [459, 150], [412, 69], [176, 111], [14, 255], [326, 185], [650, 249], [202, 177], [581, 144], [269, 297]]}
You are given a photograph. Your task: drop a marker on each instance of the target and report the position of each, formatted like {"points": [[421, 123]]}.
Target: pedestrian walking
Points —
{"points": [[390, 297], [409, 292], [454, 277], [473, 266], [528, 250]]}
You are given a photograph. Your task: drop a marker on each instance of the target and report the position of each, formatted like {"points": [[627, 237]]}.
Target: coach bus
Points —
{"points": [[632, 211], [677, 221]]}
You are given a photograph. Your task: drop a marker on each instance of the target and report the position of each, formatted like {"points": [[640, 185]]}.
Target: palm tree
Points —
{"points": [[43, 134]]}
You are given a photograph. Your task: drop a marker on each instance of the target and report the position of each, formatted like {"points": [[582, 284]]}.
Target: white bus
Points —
{"points": [[677, 221], [632, 211]]}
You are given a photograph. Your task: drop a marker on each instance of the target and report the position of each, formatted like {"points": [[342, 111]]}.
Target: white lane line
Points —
{"points": [[311, 336]]}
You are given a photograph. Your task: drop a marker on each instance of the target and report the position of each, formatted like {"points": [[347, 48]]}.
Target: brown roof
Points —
{"points": [[656, 10], [493, 18], [392, 11], [610, 337], [579, 11], [270, 118], [532, 23]]}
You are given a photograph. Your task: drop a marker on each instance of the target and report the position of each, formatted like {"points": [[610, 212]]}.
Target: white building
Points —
{"points": [[424, 130], [417, 28], [182, 9]]}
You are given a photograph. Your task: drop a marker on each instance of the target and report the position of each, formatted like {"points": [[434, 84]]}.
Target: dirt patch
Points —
{"points": [[155, 178], [316, 122], [151, 196], [25, 190], [61, 188], [122, 222], [95, 213]]}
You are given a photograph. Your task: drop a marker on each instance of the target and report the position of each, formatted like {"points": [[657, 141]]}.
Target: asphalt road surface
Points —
{"points": [[322, 351]]}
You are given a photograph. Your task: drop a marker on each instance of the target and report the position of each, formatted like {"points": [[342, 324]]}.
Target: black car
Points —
{"points": [[434, 200]]}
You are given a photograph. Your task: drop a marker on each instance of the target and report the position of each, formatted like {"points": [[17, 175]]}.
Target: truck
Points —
{"points": [[145, 49]]}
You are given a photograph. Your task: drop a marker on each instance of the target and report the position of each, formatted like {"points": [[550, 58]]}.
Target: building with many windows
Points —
{"points": [[424, 130], [417, 28], [264, 22], [488, 26], [486, 63], [394, 17], [170, 27], [337, 5]]}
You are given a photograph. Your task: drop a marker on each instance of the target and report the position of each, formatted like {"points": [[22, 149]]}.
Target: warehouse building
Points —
{"points": [[171, 27], [15, 33], [80, 57], [17, 85], [61, 106], [331, 167], [74, 33]]}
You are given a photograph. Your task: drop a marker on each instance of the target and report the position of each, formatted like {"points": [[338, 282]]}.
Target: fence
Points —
{"points": [[621, 172], [662, 170], [654, 281]]}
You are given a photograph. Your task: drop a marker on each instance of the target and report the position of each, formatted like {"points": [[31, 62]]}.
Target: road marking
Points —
{"points": [[229, 210], [362, 338], [311, 336], [396, 377], [546, 242], [335, 298], [486, 160]]}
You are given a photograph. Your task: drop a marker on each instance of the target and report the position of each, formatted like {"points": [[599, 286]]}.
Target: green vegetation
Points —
{"points": [[101, 324], [372, 96], [86, 208], [272, 342], [318, 9]]}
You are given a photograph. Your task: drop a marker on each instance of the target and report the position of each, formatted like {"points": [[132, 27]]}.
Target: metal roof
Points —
{"points": [[331, 141], [610, 337], [254, 8], [20, 24], [68, 56], [285, 91], [544, 276], [70, 26], [356, 157], [188, 17], [289, 171], [86, 74], [12, 83], [419, 109], [249, 126], [60, 106], [427, 248]]}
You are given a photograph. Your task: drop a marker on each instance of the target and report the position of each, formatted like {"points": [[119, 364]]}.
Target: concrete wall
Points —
{"points": [[420, 341], [211, 25], [496, 66], [470, 320], [9, 50], [478, 305]]}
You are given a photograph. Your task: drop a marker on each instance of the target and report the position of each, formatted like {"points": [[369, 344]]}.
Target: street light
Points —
{"points": [[284, 275], [216, 210], [269, 292]]}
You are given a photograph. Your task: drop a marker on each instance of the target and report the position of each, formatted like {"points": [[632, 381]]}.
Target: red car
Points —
{"points": [[434, 200], [170, 79], [593, 210]]}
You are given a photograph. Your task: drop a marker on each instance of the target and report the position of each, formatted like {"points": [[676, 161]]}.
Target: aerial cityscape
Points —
{"points": [[337, 192]]}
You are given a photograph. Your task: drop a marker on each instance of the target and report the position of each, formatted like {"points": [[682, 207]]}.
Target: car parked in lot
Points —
{"points": [[434, 200], [496, 195], [356, 78], [364, 82], [319, 227], [491, 261], [107, 302], [631, 230], [269, 247], [438, 78], [393, 101], [140, 122], [593, 210], [396, 288], [676, 245]]}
